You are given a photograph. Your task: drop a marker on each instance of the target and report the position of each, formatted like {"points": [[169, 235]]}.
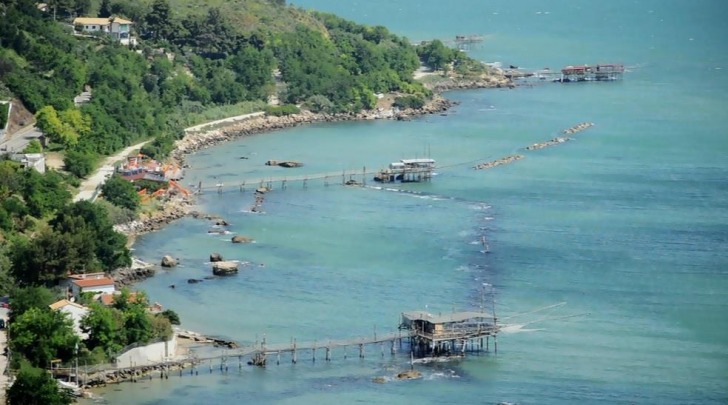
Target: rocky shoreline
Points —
{"points": [[197, 141], [485, 82], [180, 206]]}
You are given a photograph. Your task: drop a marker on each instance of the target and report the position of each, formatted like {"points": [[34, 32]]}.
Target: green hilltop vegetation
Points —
{"points": [[194, 61]]}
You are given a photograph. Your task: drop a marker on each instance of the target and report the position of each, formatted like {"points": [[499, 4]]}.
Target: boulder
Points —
{"points": [[221, 222], [409, 375], [215, 257], [169, 261], [224, 268], [241, 239]]}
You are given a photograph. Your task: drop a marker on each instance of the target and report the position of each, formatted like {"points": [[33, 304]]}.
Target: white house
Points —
{"points": [[75, 311], [118, 28], [31, 160], [91, 284]]}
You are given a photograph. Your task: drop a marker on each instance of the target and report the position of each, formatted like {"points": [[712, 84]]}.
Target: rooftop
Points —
{"points": [[62, 303], [446, 318], [99, 21], [95, 282]]}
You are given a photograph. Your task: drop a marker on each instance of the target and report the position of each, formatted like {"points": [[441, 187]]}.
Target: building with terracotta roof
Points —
{"points": [[99, 285], [75, 311], [108, 300]]}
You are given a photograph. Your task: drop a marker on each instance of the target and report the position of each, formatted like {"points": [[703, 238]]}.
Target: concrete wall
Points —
{"points": [[149, 354]]}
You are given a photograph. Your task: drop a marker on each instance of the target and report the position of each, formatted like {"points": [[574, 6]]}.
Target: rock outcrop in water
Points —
{"points": [[224, 268], [169, 261], [241, 239]]}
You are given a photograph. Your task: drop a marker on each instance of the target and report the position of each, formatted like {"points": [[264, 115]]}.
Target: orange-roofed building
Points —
{"points": [[99, 285], [108, 300]]}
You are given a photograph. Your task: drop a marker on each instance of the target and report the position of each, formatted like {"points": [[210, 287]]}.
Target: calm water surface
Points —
{"points": [[627, 224]]}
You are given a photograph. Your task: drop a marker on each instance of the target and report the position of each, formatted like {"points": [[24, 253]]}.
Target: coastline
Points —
{"points": [[180, 206]]}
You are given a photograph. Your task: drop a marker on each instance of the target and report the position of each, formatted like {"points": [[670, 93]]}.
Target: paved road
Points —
{"points": [[16, 142], [88, 188], [228, 120]]}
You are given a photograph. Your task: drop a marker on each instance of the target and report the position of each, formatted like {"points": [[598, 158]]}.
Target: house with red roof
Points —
{"points": [[95, 284]]}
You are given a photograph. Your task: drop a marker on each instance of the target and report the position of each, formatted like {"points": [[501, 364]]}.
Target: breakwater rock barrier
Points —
{"points": [[498, 162], [578, 128], [548, 143]]}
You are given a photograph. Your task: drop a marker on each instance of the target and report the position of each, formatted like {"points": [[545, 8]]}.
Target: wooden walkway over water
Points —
{"points": [[272, 182], [295, 348]]}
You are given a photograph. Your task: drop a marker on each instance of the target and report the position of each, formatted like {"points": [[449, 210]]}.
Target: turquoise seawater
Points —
{"points": [[627, 224]]}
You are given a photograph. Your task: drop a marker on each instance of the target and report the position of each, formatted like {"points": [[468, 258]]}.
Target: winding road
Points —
{"points": [[89, 187]]}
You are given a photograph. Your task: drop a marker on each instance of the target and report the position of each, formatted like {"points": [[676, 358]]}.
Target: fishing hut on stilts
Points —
{"points": [[450, 334]]}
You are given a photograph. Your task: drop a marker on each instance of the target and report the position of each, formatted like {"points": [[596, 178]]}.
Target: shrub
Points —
{"points": [[78, 163], [285, 109], [411, 101], [4, 108]]}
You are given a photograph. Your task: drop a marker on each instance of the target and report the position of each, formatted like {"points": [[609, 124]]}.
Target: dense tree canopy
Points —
{"points": [[120, 192], [36, 386], [41, 335]]}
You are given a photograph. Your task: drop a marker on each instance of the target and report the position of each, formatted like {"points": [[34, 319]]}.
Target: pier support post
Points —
{"points": [[345, 352], [328, 353], [326, 181], [412, 360], [361, 350], [487, 343], [283, 184], [293, 359], [381, 346], [305, 183], [343, 177], [392, 350], [495, 344], [364, 177], [278, 358], [313, 354]]}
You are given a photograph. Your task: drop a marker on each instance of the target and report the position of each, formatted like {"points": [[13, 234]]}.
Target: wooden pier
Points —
{"points": [[571, 74], [404, 171], [426, 335]]}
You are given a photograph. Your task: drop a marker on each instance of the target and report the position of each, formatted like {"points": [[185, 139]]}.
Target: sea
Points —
{"points": [[606, 256]]}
